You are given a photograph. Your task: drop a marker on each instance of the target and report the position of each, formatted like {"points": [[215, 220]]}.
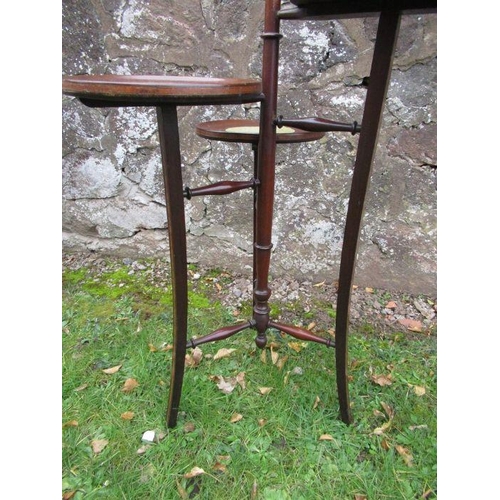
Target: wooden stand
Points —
{"points": [[166, 93]]}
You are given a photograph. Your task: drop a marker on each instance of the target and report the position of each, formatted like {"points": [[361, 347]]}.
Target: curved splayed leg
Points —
{"points": [[375, 100], [172, 178]]}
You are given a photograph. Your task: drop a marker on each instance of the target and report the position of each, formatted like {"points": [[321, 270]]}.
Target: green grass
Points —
{"points": [[274, 452]]}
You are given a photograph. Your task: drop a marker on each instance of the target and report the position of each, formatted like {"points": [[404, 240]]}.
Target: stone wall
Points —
{"points": [[112, 189]]}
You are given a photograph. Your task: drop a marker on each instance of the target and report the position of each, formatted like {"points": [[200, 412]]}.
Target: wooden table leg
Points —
{"points": [[172, 177], [266, 153], [375, 99]]}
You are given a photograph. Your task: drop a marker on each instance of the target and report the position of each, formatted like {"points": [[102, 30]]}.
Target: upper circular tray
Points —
{"points": [[141, 90]]}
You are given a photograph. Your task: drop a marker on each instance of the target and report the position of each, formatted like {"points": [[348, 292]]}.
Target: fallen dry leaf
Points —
{"points": [[369, 289], [143, 449], [274, 356], [421, 426], [296, 346], [223, 353], [195, 471], [360, 497], [316, 402], [385, 444], [240, 379], [262, 422], [127, 415], [319, 284], [71, 423], [419, 391], [218, 467], [391, 305], [404, 452], [263, 356], [129, 385], [388, 410], [390, 413], [98, 445], [326, 437], [68, 495], [281, 362], [265, 390], [81, 387], [380, 430], [152, 348], [236, 417], [110, 371], [227, 386], [189, 427], [194, 359], [382, 379], [311, 325]]}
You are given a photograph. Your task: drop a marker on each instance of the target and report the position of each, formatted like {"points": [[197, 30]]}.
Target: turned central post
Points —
{"points": [[266, 154]]}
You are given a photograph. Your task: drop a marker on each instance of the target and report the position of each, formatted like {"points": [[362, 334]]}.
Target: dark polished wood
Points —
{"points": [[168, 131], [220, 188], [142, 90], [301, 333], [220, 334], [266, 154], [315, 124], [249, 131], [339, 9], [375, 99]]}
